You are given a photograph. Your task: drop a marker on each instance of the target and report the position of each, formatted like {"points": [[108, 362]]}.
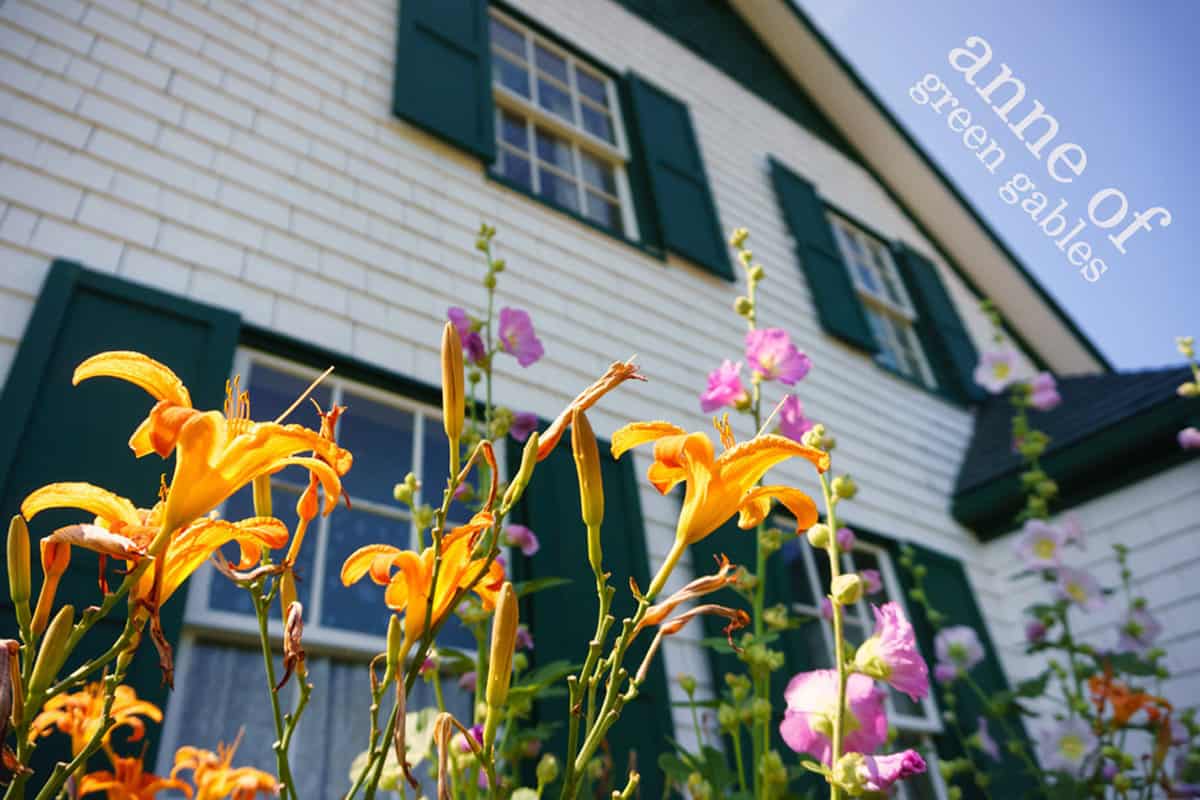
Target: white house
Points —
{"points": [[266, 188]]}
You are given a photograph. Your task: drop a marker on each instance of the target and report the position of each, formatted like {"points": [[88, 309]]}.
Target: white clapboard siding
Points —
{"points": [[244, 154]]}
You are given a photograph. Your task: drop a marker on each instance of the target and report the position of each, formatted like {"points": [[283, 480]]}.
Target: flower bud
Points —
{"points": [[814, 436], [844, 487], [687, 683], [498, 265], [53, 652], [524, 473], [847, 589], [757, 273], [19, 586], [591, 487], [489, 281], [771, 540], [500, 663], [403, 493], [818, 535], [1189, 389], [56, 557], [1186, 345], [727, 717], [738, 237], [848, 772], [453, 395], [395, 637], [742, 306], [547, 770], [262, 496]]}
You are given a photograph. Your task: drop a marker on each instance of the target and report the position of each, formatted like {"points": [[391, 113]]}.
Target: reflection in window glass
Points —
{"points": [[597, 123], [554, 150], [358, 607], [507, 39], [603, 211], [511, 75], [558, 190], [550, 63], [554, 99], [591, 87], [381, 439], [515, 168]]}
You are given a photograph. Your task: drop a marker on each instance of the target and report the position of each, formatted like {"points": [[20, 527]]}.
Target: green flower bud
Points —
{"points": [[738, 237], [760, 710], [745, 256], [819, 536], [698, 788], [498, 265], [1189, 389], [848, 772], [814, 436], [776, 617], [687, 683], [489, 281], [1186, 345], [771, 541], [847, 589], [727, 717], [743, 306], [844, 487], [547, 770], [757, 273], [474, 376]]}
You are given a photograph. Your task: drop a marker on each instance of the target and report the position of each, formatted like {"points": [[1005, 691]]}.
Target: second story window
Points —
{"points": [[558, 127], [885, 301]]}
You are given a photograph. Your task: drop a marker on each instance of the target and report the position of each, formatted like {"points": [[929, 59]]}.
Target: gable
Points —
{"points": [[715, 31]]}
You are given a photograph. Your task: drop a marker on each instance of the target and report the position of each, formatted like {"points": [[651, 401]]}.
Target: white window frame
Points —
{"points": [[898, 315], [924, 727], [199, 617], [615, 154]]}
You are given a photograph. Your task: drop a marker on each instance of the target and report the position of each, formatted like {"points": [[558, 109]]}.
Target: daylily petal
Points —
{"points": [[745, 463], [141, 370], [637, 433], [665, 478], [97, 539], [99, 502], [360, 561], [757, 504]]}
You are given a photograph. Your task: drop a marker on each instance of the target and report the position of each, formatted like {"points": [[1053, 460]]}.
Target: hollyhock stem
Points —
{"points": [[839, 719]]}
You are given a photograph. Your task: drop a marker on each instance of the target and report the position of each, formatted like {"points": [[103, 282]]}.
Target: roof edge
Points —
{"points": [[950, 185]]}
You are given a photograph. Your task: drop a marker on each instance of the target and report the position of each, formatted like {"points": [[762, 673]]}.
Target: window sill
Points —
{"points": [[910, 380], [653, 252]]}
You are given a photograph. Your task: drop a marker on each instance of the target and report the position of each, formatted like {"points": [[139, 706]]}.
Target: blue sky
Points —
{"points": [[1120, 79]]}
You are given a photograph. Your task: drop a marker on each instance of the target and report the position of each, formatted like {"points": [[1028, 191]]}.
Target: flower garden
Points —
{"points": [[1095, 710]]}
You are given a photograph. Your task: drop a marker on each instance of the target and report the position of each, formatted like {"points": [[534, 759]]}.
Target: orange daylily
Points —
{"points": [[214, 776], [79, 715], [128, 780], [718, 486], [408, 590], [124, 531], [1124, 701], [216, 453]]}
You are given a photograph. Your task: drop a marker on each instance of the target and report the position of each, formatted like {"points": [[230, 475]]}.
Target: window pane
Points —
{"points": [[273, 391], [381, 439], [514, 130], [550, 63], [554, 100], [436, 469], [905, 705], [802, 589], [603, 212], [597, 173], [591, 87], [814, 644], [358, 607], [879, 328], [596, 122], [554, 150], [510, 75], [558, 189], [883, 260], [508, 39], [223, 595], [515, 168]]}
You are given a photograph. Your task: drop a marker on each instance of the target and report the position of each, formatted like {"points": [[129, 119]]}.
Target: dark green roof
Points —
{"points": [[1110, 430]]}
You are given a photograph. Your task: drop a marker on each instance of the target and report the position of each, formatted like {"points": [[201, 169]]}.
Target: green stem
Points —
{"points": [[839, 719], [737, 758], [262, 604]]}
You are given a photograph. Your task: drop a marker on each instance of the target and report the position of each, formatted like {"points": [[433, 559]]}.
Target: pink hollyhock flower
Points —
{"points": [[517, 337], [986, 743], [1035, 631], [891, 654], [1039, 545], [1044, 392], [467, 681], [878, 773], [995, 371], [1138, 631], [1072, 530], [521, 537], [524, 638], [826, 608], [811, 708], [472, 343], [523, 424], [1080, 588], [792, 422], [846, 539], [958, 650], [428, 665], [476, 732], [872, 582], [1189, 439], [772, 355], [1068, 746], [1109, 771], [724, 388]]}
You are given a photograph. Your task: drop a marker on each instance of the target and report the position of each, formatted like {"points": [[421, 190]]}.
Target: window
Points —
{"points": [[915, 721], [887, 306], [220, 665], [558, 128]]}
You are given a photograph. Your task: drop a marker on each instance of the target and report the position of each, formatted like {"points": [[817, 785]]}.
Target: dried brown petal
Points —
{"points": [[293, 651], [618, 372], [706, 584], [101, 540], [737, 619], [166, 660]]}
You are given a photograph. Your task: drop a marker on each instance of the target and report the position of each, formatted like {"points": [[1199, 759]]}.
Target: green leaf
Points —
{"points": [[546, 674], [526, 588], [673, 767], [1128, 663], [1033, 687]]}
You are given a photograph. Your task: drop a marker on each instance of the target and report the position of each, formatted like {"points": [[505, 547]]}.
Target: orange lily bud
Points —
{"points": [[453, 395], [19, 581], [587, 465], [287, 591], [521, 480], [53, 652], [262, 496], [504, 641], [10, 679], [56, 556], [395, 634]]}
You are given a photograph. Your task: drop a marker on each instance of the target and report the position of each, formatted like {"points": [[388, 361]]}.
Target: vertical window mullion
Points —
{"points": [[418, 460], [577, 159], [814, 580], [318, 577]]}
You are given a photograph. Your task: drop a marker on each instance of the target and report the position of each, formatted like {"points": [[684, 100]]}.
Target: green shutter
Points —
{"points": [[444, 72], [563, 619], [56, 432], [947, 344], [949, 591], [685, 215], [838, 307]]}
